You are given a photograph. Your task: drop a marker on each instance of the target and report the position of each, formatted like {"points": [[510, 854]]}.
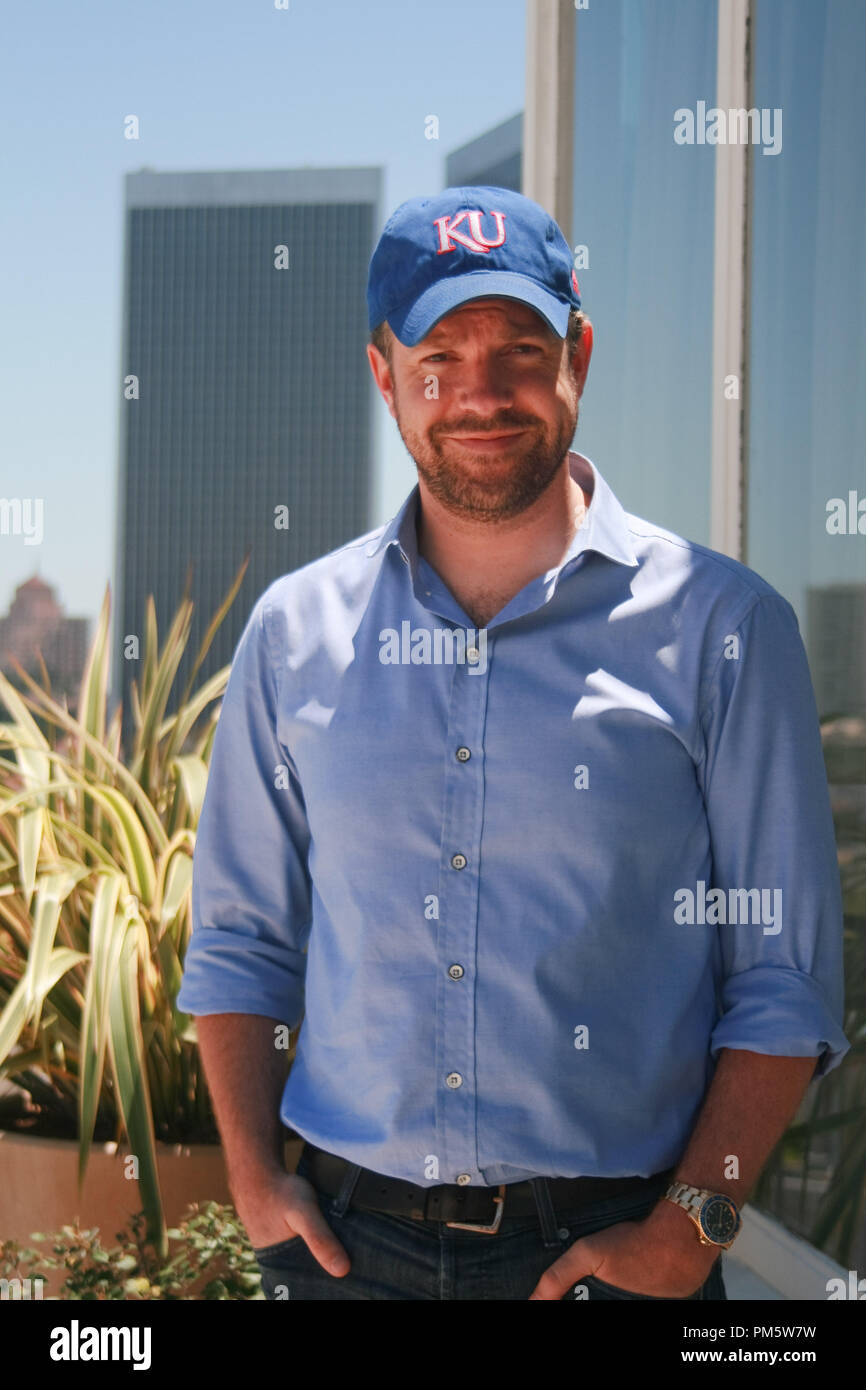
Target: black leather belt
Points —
{"points": [[482, 1207]]}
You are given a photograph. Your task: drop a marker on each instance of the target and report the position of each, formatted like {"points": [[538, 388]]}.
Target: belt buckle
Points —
{"points": [[477, 1226]]}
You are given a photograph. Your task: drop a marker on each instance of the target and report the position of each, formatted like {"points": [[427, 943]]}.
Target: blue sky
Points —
{"points": [[230, 84], [226, 84]]}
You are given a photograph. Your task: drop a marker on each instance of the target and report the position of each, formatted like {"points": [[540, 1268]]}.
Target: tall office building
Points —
{"points": [[495, 158], [246, 418]]}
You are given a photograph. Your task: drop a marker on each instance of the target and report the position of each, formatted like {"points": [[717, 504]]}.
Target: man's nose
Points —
{"points": [[483, 385]]}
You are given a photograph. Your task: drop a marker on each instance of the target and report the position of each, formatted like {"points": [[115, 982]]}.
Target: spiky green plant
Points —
{"points": [[95, 876]]}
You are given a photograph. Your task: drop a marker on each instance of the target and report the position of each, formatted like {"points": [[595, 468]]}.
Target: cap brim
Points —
{"points": [[412, 323]]}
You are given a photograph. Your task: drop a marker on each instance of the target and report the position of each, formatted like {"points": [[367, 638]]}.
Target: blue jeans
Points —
{"points": [[394, 1257]]}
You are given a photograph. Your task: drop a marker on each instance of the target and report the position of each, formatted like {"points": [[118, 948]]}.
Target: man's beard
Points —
{"points": [[490, 486]]}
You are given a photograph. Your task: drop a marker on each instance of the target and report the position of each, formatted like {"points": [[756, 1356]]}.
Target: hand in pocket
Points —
{"points": [[287, 1207]]}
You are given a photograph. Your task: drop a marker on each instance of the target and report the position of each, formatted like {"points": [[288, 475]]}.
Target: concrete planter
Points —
{"points": [[39, 1188]]}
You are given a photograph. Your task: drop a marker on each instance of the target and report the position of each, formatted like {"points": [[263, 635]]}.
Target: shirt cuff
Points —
{"points": [[781, 1013], [226, 973]]}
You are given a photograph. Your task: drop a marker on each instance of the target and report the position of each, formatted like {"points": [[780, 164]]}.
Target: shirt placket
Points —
{"points": [[459, 885]]}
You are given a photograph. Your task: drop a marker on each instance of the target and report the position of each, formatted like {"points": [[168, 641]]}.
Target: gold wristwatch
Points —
{"points": [[716, 1216]]}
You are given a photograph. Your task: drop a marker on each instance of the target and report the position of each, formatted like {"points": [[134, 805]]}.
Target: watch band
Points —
{"points": [[692, 1199]]}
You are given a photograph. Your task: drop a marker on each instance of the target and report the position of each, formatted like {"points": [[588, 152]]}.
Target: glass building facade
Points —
{"points": [[643, 234], [644, 227], [254, 392]]}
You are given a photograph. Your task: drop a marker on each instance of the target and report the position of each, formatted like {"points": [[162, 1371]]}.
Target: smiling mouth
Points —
{"points": [[485, 438]]}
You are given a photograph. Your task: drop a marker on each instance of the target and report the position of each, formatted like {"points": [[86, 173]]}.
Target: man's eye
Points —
{"points": [[523, 348]]}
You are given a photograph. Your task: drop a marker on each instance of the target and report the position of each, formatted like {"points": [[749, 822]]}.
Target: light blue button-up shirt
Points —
{"points": [[521, 884]]}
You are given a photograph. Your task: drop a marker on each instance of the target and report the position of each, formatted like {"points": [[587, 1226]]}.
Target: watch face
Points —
{"points": [[719, 1219]]}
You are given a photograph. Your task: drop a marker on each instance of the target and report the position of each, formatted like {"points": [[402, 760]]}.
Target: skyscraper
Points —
{"points": [[495, 158], [246, 412]]}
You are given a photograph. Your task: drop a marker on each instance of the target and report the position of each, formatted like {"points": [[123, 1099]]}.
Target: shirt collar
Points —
{"points": [[604, 527]]}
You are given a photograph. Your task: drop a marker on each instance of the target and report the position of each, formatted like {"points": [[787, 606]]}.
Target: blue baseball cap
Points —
{"points": [[468, 243]]}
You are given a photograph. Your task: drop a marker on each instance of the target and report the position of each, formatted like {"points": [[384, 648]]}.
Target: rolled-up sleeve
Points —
{"points": [[771, 828], [251, 897]]}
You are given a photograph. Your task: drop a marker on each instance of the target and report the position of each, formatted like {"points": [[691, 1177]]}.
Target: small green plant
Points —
{"points": [[209, 1257]]}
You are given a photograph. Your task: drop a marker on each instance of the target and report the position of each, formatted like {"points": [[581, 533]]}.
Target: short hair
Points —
{"points": [[381, 336]]}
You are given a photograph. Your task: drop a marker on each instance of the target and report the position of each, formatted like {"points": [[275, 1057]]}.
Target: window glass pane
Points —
{"points": [[643, 207], [807, 478]]}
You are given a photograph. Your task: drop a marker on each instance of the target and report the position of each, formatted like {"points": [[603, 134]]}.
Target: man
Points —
{"points": [[519, 801]]}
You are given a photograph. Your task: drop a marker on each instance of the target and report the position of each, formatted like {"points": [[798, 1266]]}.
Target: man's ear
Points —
{"points": [[581, 355], [382, 376]]}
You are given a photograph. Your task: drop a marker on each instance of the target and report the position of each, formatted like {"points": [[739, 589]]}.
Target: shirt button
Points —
{"points": [[472, 654], [456, 972], [458, 861], [464, 1178], [463, 755], [454, 1079]]}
